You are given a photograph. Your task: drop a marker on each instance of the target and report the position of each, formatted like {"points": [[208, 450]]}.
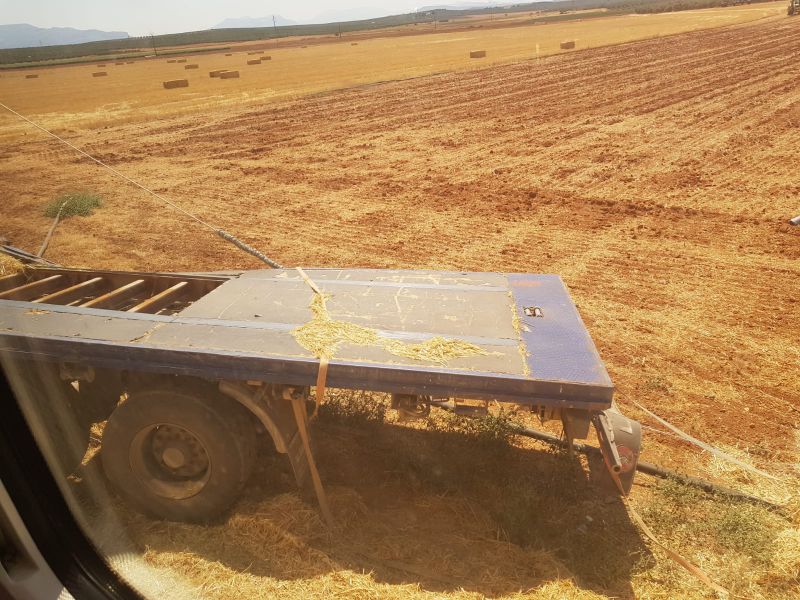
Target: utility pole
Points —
{"points": [[153, 42], [275, 29]]}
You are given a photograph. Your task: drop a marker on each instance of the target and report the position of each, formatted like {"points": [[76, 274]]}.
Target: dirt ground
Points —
{"points": [[655, 177]]}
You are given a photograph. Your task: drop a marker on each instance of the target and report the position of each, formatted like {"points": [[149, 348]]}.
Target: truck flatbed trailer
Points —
{"points": [[112, 335]]}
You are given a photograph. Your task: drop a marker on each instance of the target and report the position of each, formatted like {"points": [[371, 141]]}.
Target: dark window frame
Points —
{"points": [[37, 498]]}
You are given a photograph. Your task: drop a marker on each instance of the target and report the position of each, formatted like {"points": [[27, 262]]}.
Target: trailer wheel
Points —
{"points": [[179, 454]]}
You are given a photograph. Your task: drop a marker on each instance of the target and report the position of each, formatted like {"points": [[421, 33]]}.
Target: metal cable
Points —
{"points": [[223, 234]]}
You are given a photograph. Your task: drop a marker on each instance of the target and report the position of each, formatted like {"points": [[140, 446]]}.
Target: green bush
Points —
{"points": [[75, 203]]}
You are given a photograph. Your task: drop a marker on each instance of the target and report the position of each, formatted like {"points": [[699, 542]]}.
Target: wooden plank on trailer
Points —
{"points": [[72, 293], [33, 289], [161, 300], [12, 281], [116, 296]]}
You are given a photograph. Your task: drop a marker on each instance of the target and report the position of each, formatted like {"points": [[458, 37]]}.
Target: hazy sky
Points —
{"points": [[140, 17]]}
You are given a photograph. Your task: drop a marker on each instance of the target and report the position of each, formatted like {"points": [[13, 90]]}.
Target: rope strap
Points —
{"points": [[685, 563], [301, 417], [322, 376]]}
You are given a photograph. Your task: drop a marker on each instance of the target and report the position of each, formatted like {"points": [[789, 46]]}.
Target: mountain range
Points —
{"points": [[244, 22], [22, 35], [332, 15]]}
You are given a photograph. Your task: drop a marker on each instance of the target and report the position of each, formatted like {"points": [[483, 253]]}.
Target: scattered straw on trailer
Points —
{"points": [[10, 265], [323, 335]]}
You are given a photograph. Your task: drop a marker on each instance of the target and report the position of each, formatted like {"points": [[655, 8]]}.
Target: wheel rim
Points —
{"points": [[170, 460]]}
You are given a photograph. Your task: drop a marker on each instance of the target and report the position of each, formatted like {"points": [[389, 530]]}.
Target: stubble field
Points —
{"points": [[656, 177], [69, 97]]}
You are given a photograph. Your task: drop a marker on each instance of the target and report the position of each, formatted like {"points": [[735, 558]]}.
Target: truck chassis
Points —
{"points": [[187, 368]]}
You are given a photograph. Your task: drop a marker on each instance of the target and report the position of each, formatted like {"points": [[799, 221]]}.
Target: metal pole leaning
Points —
{"points": [[247, 248]]}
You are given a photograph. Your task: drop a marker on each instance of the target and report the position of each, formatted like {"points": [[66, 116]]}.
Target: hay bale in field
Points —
{"points": [[567, 44], [266, 58], [100, 66], [229, 54], [229, 75], [252, 53], [128, 62], [216, 73], [354, 43], [477, 54], [99, 74], [254, 61], [176, 83], [172, 60], [119, 63], [192, 66], [31, 76], [181, 60]]}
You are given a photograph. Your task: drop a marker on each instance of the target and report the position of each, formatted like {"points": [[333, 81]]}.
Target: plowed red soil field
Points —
{"points": [[655, 177]]}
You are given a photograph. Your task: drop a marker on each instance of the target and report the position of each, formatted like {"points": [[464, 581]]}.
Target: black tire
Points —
{"points": [[179, 454]]}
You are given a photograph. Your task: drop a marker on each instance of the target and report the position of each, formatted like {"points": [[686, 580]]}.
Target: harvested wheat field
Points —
{"points": [[135, 92], [656, 177]]}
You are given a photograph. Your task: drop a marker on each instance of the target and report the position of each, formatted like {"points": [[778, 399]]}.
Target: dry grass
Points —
{"points": [[10, 265], [323, 336]]}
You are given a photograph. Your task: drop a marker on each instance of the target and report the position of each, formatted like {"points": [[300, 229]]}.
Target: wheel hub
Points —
{"points": [[170, 460], [173, 458], [179, 452]]}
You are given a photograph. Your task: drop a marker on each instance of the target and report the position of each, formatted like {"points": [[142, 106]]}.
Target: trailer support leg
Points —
{"points": [[301, 418], [283, 414], [568, 436]]}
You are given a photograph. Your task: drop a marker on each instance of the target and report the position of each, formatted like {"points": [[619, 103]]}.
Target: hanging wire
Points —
{"points": [[220, 232]]}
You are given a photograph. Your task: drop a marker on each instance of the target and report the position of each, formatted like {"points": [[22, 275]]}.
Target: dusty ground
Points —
{"points": [[655, 177]]}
